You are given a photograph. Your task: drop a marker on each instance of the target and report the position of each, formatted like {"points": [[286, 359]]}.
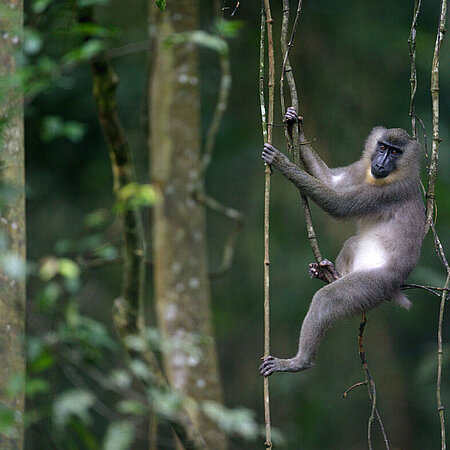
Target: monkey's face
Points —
{"points": [[391, 155], [385, 158]]}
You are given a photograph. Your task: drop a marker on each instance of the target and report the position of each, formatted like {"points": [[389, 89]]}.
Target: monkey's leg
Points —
{"points": [[354, 293], [317, 270]]}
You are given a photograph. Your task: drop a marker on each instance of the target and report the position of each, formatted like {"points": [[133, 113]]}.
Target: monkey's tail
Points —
{"points": [[401, 300]]}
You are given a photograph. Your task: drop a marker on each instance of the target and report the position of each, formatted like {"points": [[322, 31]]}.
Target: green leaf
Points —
{"points": [[229, 28], [32, 41], [140, 369], [85, 52], [131, 407], [43, 362], [93, 29], [167, 403], [161, 4], [74, 131], [68, 269], [73, 403], [36, 386], [107, 252], [51, 128], [119, 436], [121, 378], [238, 421], [49, 268], [201, 38], [63, 266], [134, 195], [39, 6], [97, 218], [48, 297]]}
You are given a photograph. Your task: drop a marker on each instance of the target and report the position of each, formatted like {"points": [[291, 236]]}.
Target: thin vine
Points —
{"points": [[294, 141], [267, 129], [432, 173]]}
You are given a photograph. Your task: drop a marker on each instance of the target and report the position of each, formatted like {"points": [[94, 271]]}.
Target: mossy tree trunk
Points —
{"points": [[12, 227], [182, 291]]}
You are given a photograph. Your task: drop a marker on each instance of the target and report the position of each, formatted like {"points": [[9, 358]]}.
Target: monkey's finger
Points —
{"points": [[267, 373], [291, 116], [268, 362]]}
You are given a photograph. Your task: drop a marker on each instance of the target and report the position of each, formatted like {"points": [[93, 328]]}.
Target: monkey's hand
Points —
{"points": [[291, 116], [271, 364], [318, 270], [270, 154]]}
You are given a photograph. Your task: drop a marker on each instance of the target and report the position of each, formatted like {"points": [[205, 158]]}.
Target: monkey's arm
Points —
{"points": [[338, 203], [312, 163]]}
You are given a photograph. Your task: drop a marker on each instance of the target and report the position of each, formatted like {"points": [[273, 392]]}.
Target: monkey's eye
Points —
{"points": [[383, 147], [394, 152]]}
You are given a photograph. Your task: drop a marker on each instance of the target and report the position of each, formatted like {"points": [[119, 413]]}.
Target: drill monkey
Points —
{"points": [[381, 194]]}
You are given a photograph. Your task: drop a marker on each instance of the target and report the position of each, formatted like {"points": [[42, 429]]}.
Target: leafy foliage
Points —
{"points": [[161, 4], [201, 38], [73, 402], [119, 436]]}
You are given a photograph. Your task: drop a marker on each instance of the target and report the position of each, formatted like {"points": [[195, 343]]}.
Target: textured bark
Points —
{"points": [[12, 223], [182, 291]]}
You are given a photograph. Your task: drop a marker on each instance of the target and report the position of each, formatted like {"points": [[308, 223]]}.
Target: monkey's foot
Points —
{"points": [[272, 364], [291, 116], [318, 270]]}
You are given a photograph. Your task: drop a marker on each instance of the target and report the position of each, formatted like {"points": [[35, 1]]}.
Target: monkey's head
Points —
{"points": [[391, 155]]}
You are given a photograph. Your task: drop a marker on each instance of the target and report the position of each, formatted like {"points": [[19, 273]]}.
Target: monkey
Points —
{"points": [[381, 194]]}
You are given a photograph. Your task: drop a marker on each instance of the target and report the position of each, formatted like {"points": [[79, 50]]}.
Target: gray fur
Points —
{"points": [[389, 216]]}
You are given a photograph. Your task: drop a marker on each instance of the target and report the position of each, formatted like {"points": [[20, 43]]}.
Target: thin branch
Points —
{"points": [[371, 389], [293, 140], [267, 127], [361, 383], [430, 289], [221, 106], [228, 248], [430, 202], [235, 8], [440, 406], [128, 49], [413, 77], [432, 172]]}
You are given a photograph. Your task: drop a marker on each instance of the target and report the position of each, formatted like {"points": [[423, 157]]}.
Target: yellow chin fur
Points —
{"points": [[391, 178]]}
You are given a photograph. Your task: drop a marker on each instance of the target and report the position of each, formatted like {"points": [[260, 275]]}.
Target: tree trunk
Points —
{"points": [[12, 227], [182, 292]]}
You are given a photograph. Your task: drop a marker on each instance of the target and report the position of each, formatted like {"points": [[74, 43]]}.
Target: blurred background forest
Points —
{"points": [[352, 68]]}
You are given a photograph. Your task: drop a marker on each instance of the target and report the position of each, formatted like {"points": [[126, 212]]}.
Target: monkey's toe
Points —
{"points": [[327, 265], [313, 270]]}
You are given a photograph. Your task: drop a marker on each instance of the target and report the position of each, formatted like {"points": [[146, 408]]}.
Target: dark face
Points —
{"points": [[384, 159]]}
